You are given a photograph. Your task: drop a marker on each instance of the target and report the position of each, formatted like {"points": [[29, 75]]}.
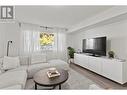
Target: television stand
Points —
{"points": [[113, 69]]}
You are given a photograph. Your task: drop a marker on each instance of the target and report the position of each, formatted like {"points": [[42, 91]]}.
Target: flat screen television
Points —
{"points": [[95, 46]]}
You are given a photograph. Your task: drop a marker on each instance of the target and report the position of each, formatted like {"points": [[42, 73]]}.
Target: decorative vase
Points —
{"points": [[111, 56], [71, 60]]}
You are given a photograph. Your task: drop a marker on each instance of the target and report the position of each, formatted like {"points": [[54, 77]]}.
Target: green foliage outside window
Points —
{"points": [[46, 39]]}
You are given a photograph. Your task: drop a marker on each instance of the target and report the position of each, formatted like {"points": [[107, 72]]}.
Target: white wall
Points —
{"points": [[116, 34], [70, 40], [12, 33], [2, 31], [9, 31]]}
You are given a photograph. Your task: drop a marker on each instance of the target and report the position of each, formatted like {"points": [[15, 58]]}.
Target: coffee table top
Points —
{"points": [[41, 78]]}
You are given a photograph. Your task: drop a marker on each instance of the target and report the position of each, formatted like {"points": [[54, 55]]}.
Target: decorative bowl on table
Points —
{"points": [[52, 72]]}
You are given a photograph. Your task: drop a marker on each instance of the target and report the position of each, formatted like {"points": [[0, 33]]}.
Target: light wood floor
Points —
{"points": [[98, 79]]}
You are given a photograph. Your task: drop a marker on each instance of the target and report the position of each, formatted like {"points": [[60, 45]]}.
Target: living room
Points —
{"points": [[36, 40]]}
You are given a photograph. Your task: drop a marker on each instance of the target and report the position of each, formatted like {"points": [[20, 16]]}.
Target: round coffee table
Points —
{"points": [[41, 78]]}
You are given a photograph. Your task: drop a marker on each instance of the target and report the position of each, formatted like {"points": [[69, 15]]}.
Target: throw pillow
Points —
{"points": [[10, 62]]}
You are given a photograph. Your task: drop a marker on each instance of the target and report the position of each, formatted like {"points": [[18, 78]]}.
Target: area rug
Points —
{"points": [[76, 81]]}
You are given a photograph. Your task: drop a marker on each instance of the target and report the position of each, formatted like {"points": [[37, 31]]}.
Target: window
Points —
{"points": [[46, 41]]}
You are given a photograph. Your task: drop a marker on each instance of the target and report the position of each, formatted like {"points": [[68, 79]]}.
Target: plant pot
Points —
{"points": [[111, 56], [71, 60]]}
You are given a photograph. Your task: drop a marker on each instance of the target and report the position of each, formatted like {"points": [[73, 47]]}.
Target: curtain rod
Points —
{"points": [[46, 27]]}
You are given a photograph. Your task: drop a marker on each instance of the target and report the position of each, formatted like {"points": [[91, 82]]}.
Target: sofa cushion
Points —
{"points": [[57, 61], [38, 58], [32, 69], [13, 78], [10, 62], [24, 60], [59, 64], [23, 67]]}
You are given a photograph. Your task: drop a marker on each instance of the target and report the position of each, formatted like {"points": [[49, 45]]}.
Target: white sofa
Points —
{"points": [[13, 78], [16, 78]]}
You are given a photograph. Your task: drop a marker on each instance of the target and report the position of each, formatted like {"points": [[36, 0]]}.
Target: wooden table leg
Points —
{"points": [[59, 86], [35, 86]]}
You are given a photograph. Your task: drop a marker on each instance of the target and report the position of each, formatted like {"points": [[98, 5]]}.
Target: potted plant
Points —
{"points": [[111, 54], [71, 52]]}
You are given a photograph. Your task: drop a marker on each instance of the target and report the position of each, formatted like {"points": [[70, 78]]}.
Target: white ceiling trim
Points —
{"points": [[106, 15]]}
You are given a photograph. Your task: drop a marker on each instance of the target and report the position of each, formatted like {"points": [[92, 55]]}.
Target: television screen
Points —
{"points": [[95, 46]]}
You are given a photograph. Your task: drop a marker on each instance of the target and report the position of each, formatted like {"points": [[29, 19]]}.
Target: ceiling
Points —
{"points": [[57, 16]]}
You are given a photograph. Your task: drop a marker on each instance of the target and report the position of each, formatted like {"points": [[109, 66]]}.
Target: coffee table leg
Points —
{"points": [[35, 86], [53, 87], [60, 86]]}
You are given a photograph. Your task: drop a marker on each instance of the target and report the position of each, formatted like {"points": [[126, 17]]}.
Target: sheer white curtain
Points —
{"points": [[59, 49], [61, 45], [29, 44]]}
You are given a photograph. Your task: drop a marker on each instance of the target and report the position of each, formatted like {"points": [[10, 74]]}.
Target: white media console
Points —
{"points": [[113, 69]]}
